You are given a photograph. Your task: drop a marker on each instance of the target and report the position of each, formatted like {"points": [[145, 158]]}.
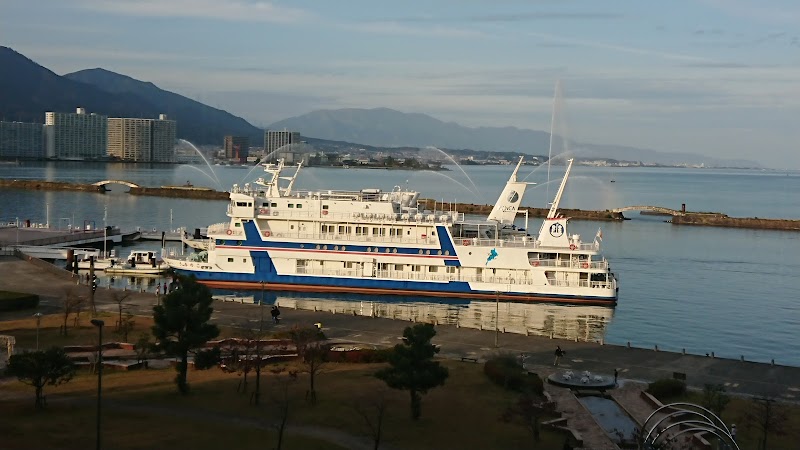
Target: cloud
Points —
{"points": [[229, 10], [515, 17], [402, 29]]}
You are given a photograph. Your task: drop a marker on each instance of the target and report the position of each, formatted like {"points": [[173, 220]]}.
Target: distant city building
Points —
{"points": [[75, 135], [273, 140], [21, 140], [142, 140], [237, 147]]}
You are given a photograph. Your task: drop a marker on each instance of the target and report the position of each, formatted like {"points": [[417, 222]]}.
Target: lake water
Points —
{"points": [[730, 291]]}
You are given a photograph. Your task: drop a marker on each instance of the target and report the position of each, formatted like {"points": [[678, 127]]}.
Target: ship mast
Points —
{"points": [[554, 207]]}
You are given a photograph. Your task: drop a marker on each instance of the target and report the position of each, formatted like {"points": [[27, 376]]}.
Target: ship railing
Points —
{"points": [[570, 264], [224, 228], [339, 239], [527, 242], [355, 218]]}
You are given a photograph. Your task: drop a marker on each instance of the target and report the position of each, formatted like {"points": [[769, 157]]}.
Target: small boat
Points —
{"points": [[195, 243], [139, 262], [48, 252]]}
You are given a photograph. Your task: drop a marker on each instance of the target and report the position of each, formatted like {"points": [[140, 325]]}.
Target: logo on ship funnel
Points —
{"points": [[556, 230]]}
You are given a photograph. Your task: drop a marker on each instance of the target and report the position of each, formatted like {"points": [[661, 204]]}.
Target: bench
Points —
{"points": [[466, 358]]}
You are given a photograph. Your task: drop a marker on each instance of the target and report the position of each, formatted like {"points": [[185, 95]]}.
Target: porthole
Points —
{"points": [[369, 249], [394, 251], [427, 252], [325, 247], [344, 248], [447, 252], [336, 248], [440, 252], [420, 251], [317, 246]]}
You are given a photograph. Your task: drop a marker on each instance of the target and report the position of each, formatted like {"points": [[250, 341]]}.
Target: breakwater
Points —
{"points": [[201, 193], [39, 185]]}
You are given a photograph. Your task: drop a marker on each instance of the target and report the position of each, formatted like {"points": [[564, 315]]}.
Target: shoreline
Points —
{"points": [[687, 218]]}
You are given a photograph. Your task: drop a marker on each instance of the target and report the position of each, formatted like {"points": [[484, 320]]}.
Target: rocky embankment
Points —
{"points": [[181, 192], [577, 214], [722, 220], [39, 185]]}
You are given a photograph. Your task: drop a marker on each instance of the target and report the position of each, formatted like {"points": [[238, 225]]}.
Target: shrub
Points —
{"points": [[505, 371], [360, 356], [666, 388], [13, 301]]}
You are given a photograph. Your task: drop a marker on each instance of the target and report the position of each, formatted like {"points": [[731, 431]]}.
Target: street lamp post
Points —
{"points": [[496, 317], [99, 324], [38, 316]]}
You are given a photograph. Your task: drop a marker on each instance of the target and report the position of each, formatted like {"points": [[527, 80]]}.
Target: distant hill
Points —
{"points": [[28, 90], [199, 123], [383, 127]]}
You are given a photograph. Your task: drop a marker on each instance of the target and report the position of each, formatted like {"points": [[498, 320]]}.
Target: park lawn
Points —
{"points": [[465, 413], [749, 437]]}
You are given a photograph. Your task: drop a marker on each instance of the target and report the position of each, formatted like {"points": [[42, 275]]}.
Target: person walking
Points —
{"points": [[616, 374], [559, 353], [275, 314]]}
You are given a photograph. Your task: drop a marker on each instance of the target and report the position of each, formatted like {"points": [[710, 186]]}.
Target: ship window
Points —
{"points": [[291, 227], [416, 268], [450, 269], [274, 205], [237, 224], [291, 205], [433, 233], [398, 267], [433, 268], [324, 206], [265, 205], [230, 259], [244, 260], [344, 248], [241, 203], [387, 250], [299, 205], [447, 252], [348, 264]]}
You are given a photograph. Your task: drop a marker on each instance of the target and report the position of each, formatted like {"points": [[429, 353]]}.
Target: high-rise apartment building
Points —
{"points": [[142, 140], [21, 140], [75, 135], [237, 147], [273, 140]]}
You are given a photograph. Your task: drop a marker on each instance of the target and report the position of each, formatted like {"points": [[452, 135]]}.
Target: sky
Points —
{"points": [[712, 77]]}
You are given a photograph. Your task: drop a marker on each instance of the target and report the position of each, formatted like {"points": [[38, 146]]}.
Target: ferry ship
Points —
{"points": [[381, 242]]}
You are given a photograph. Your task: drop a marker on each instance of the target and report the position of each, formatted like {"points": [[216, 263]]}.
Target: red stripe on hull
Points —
{"points": [[381, 291]]}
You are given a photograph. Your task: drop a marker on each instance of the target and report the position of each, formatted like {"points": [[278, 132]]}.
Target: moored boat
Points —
{"points": [[139, 262], [377, 242]]}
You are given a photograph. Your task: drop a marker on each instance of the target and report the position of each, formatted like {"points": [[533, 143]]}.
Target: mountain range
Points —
{"points": [[28, 90]]}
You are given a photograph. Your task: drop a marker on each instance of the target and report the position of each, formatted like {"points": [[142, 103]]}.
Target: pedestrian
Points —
{"points": [[275, 314], [733, 431], [616, 374], [165, 288], [158, 289], [559, 354]]}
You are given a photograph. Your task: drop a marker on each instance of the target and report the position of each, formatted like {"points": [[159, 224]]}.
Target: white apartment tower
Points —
{"points": [[273, 140], [75, 136], [142, 140]]}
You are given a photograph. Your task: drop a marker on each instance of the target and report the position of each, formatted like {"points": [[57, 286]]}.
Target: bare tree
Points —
{"points": [[119, 298], [282, 402], [70, 303], [312, 353], [768, 417], [143, 348], [126, 326], [373, 410]]}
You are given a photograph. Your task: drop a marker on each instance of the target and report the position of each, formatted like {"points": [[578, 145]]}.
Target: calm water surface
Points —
{"points": [[730, 291]]}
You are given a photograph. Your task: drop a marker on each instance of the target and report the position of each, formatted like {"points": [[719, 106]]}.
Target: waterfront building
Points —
{"points": [[21, 140], [75, 135], [237, 147], [142, 140], [273, 140]]}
